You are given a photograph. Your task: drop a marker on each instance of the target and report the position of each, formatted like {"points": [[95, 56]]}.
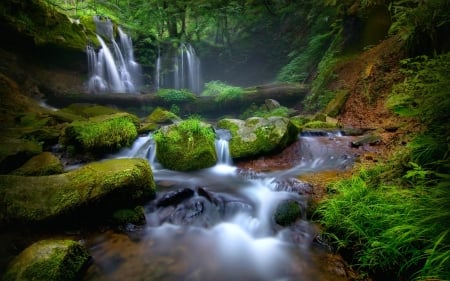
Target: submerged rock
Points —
{"points": [[257, 135], [49, 260], [287, 212], [95, 189]]}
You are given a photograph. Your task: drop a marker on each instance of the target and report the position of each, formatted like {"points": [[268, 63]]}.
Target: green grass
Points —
{"points": [[175, 96]]}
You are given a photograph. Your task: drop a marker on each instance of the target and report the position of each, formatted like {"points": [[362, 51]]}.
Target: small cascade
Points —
{"points": [[222, 148], [113, 68], [143, 147], [179, 69]]}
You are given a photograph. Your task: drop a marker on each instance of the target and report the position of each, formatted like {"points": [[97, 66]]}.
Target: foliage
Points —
{"points": [[222, 92], [422, 24], [175, 96], [395, 217]]}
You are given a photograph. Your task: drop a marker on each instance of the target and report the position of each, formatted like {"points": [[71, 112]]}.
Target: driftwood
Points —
{"points": [[286, 94]]}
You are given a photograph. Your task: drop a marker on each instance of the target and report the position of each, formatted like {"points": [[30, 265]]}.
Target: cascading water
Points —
{"points": [[211, 225], [179, 69], [113, 71]]}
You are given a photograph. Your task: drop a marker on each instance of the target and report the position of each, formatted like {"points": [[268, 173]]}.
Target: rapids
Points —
{"points": [[218, 223]]}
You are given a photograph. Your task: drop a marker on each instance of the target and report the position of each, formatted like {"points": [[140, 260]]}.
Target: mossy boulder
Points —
{"points": [[186, 146], [15, 152], [257, 135], [287, 213], [45, 25], [320, 125], [95, 189], [42, 164], [102, 134], [49, 260], [157, 118], [334, 107], [89, 110]]}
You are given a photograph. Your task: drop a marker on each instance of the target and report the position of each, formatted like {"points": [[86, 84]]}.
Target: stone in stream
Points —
{"points": [[292, 185], [48, 260], [175, 197]]}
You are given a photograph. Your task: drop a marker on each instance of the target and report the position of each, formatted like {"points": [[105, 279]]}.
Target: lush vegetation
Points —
{"points": [[395, 217], [175, 96], [222, 92]]}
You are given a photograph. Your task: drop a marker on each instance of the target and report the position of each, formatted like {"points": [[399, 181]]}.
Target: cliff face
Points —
{"points": [[42, 49]]}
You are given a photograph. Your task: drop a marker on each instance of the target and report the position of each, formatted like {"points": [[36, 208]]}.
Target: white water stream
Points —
{"points": [[222, 230]]}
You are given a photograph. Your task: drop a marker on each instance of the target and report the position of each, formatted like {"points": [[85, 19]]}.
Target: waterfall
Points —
{"points": [[222, 148], [113, 68], [179, 69], [143, 147]]}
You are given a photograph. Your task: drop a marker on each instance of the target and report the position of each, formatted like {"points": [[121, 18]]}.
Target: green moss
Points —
{"points": [[188, 145], [258, 135], [157, 117], [335, 105], [102, 133], [319, 125], [35, 199], [287, 213], [134, 216], [88, 110], [40, 165], [15, 152], [49, 260], [175, 96]]}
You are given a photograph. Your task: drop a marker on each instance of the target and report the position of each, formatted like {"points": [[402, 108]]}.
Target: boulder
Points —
{"points": [[186, 146], [257, 135], [48, 260], [287, 212], [101, 134], [15, 152], [43, 164], [271, 104], [83, 194], [157, 118]]}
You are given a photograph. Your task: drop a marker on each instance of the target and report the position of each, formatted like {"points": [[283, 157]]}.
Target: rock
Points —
{"points": [[15, 152], [134, 216], [49, 260], [287, 212], [186, 146], [293, 185], [370, 139], [271, 104], [257, 135], [83, 194], [157, 118], [335, 105], [101, 134], [40, 165], [174, 197]]}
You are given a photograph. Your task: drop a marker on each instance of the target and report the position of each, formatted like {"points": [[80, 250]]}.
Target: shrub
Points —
{"points": [[222, 92], [175, 96]]}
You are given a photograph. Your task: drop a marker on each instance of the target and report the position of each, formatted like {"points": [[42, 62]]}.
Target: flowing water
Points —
{"points": [[112, 68], [218, 223], [179, 69]]}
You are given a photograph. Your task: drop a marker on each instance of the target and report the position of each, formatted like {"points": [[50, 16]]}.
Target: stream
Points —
{"points": [[218, 223]]}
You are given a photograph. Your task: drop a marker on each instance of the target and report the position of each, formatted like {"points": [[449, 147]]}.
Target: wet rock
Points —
{"points": [[258, 136], [292, 185], [134, 216], [157, 118], [197, 211], [370, 139], [82, 194], [175, 197], [248, 174], [186, 146], [287, 212], [48, 260], [301, 233]]}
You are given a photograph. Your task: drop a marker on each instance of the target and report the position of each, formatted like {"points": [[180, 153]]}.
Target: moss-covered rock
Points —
{"points": [[88, 110], [99, 187], [334, 106], [48, 260], [186, 146], [157, 118], [100, 134], [134, 216], [287, 213], [319, 125], [15, 152], [256, 135], [45, 25], [41, 165]]}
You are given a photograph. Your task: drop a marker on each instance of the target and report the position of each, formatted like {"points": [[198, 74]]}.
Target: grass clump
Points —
{"points": [[175, 96], [222, 92], [262, 111]]}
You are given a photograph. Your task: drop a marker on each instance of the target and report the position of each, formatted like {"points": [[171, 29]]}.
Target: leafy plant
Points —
{"points": [[175, 96], [222, 92]]}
